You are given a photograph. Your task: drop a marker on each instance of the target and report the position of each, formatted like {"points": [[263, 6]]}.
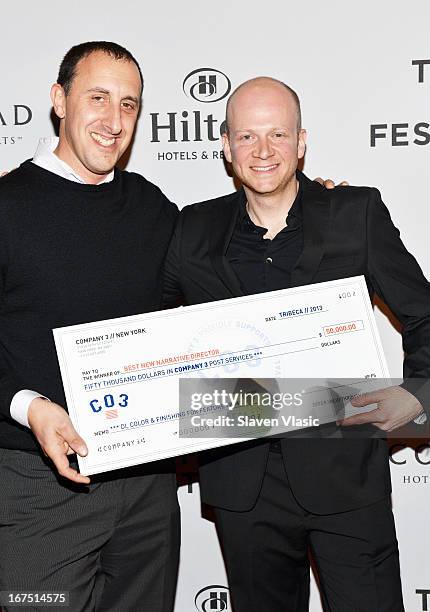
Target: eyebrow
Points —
{"points": [[106, 91], [272, 128]]}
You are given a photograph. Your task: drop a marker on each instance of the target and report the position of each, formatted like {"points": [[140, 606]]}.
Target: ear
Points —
{"points": [[58, 98], [226, 147], [301, 145]]}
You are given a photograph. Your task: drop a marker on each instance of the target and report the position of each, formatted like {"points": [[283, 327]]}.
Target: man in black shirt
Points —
{"points": [[275, 500], [80, 241], [262, 264]]}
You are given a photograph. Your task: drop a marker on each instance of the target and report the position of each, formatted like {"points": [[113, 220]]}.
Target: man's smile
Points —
{"points": [[103, 141], [264, 168]]}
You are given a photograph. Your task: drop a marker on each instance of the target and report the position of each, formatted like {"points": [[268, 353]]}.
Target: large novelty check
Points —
{"points": [[121, 377]]}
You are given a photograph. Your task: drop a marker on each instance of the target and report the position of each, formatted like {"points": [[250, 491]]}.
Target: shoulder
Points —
{"points": [[358, 202], [16, 179], [339, 196], [354, 193], [150, 193], [207, 208], [136, 181], [17, 188]]}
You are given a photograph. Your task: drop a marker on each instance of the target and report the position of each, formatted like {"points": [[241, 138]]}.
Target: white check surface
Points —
{"points": [[121, 376]]}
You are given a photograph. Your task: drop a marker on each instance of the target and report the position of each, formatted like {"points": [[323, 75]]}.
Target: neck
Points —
{"points": [[64, 153], [271, 210]]}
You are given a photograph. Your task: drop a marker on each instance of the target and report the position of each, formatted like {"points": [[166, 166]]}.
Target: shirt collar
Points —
{"points": [[294, 216], [45, 157]]}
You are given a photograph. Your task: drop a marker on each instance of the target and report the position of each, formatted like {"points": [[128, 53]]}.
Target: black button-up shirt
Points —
{"points": [[262, 264]]}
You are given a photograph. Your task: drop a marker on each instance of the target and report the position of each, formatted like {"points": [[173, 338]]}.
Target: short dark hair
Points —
{"points": [[67, 70]]}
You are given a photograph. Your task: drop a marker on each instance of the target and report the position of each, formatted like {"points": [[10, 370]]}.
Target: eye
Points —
{"points": [[278, 135], [129, 106], [245, 137]]}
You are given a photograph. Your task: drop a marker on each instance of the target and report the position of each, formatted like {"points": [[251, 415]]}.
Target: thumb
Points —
{"points": [[361, 419], [75, 441]]}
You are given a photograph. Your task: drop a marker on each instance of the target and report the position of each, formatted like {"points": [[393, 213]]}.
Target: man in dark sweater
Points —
{"points": [[80, 241]]}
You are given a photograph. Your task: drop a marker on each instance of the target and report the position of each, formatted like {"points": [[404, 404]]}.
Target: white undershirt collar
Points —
{"points": [[47, 159]]}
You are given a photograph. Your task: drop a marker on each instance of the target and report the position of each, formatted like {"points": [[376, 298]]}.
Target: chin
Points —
{"points": [[264, 189], [105, 162], [105, 168]]}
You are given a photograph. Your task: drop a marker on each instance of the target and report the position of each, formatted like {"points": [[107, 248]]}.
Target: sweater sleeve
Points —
{"points": [[9, 386]]}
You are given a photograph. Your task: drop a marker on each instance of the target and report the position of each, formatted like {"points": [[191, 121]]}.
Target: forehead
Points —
{"points": [[262, 106], [99, 69]]}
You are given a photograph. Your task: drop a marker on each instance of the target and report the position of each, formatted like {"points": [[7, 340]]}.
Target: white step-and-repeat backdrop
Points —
{"points": [[362, 71]]}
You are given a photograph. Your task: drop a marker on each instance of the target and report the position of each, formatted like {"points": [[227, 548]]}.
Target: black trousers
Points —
{"points": [[266, 551], [114, 545]]}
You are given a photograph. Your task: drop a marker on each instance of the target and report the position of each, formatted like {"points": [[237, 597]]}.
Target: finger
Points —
{"points": [[360, 419], [74, 440], [344, 184], [373, 397], [329, 184], [62, 465], [385, 425], [68, 450], [319, 180]]}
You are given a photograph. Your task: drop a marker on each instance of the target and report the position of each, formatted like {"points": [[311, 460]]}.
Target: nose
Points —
{"points": [[263, 148], [112, 120]]}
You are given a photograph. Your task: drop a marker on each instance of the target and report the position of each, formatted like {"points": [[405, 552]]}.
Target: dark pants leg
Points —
{"points": [[55, 536], [143, 552], [357, 558], [266, 553], [265, 549]]}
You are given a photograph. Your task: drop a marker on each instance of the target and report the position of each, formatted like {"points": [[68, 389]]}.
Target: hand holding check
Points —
{"points": [[396, 407], [57, 437]]}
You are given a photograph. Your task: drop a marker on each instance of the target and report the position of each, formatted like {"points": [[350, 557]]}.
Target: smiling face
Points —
{"points": [[99, 114], [264, 142]]}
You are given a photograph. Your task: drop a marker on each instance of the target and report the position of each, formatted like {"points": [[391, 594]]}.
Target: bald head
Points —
{"points": [[264, 140], [256, 91]]}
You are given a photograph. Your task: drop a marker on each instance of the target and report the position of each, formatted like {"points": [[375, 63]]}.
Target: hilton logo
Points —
{"points": [[193, 126], [206, 85], [213, 598]]}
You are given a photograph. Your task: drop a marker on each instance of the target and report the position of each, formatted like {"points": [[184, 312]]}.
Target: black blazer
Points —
{"points": [[347, 232]]}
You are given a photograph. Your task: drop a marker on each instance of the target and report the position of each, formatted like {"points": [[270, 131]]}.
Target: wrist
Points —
{"points": [[35, 406]]}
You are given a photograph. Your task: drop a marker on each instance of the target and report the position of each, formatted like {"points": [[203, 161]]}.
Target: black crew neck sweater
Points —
{"points": [[70, 253]]}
